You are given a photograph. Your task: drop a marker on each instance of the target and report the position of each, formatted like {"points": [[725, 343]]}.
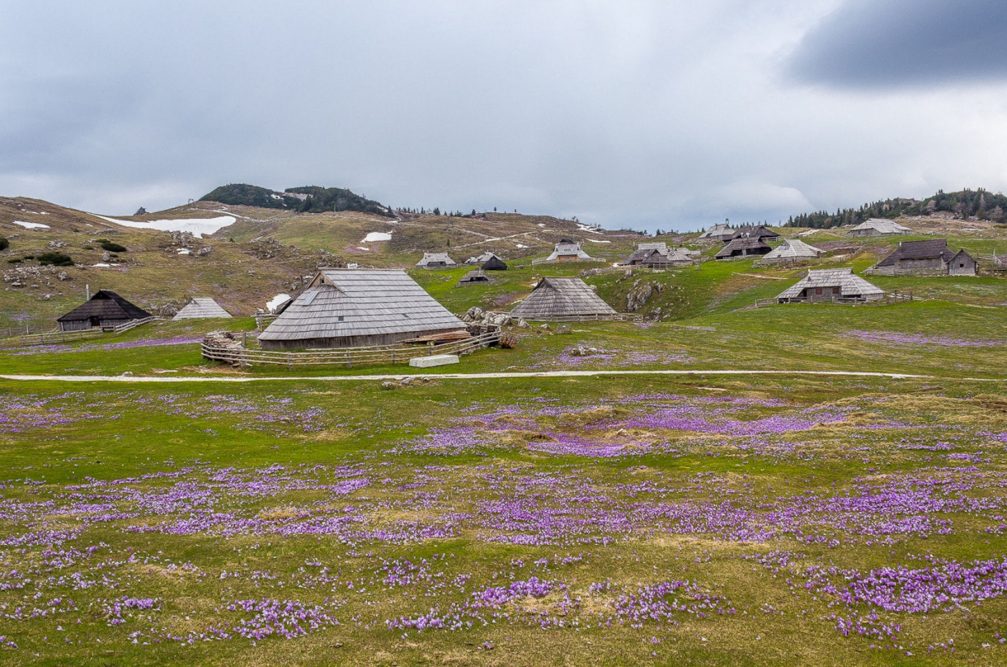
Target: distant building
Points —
{"points": [[557, 299], [494, 263], [567, 250], [754, 232], [476, 276], [658, 256], [201, 308], [929, 257], [435, 260], [828, 285], [743, 247], [792, 250], [878, 227], [104, 309], [719, 232]]}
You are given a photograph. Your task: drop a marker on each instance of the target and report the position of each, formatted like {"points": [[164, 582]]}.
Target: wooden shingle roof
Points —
{"points": [[793, 249], [360, 302], [201, 307], [916, 250], [106, 305], [558, 298], [850, 285]]}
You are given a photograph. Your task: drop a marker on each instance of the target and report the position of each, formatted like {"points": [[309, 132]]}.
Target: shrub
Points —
{"points": [[111, 246], [55, 259]]}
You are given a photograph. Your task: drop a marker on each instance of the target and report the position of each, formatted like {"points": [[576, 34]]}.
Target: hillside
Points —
{"points": [[304, 199], [964, 205]]}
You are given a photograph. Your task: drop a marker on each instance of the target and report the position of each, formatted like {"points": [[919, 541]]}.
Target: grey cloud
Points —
{"points": [[871, 43]]}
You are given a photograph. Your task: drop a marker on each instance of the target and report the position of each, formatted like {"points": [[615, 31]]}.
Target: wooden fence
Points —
{"points": [[348, 357], [57, 336], [618, 317], [895, 296]]}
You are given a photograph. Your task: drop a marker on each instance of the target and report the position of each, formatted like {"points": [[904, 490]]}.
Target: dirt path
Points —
{"points": [[139, 379]]}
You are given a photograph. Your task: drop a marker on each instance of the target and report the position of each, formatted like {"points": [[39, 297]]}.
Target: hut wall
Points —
{"points": [[823, 294], [343, 341], [963, 265], [75, 325]]}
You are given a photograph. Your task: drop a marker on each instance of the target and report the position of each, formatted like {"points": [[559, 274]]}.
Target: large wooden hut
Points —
{"points": [[792, 250], [743, 247], [828, 285], [357, 308], [928, 257], [557, 299], [201, 308], [104, 309], [435, 260], [567, 250], [878, 227]]}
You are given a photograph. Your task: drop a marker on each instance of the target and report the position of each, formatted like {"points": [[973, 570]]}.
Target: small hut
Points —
{"points": [[719, 232], [474, 276], [494, 263], [104, 309], [828, 285], [563, 299], [878, 227], [755, 232], [201, 308], [929, 257], [654, 258], [435, 260], [743, 247], [567, 250], [360, 307], [792, 250]]}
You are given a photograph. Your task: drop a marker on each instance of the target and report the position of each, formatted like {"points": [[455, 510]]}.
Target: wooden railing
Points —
{"points": [[263, 320], [57, 336], [349, 357]]}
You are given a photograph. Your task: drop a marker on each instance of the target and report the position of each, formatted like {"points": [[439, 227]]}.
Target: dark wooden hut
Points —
{"points": [[104, 309]]}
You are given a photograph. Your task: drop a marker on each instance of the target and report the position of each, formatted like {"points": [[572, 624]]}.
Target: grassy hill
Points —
{"points": [[304, 199]]}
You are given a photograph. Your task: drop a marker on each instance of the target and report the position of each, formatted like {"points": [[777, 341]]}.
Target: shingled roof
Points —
{"points": [[881, 226], [851, 286], [105, 305], [201, 307], [741, 247], [567, 248], [793, 249], [562, 298], [914, 250], [360, 303]]}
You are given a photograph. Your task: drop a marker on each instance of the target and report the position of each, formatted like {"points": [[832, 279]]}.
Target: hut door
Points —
{"points": [[95, 322]]}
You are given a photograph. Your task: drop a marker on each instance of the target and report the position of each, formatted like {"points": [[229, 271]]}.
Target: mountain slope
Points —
{"points": [[964, 204]]}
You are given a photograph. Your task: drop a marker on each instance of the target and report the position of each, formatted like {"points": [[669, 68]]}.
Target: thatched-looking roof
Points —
{"points": [[105, 305], [201, 307], [361, 304], [484, 257], [561, 298], [742, 247], [568, 248], [793, 249], [881, 226], [851, 286], [435, 259], [917, 250], [717, 231]]}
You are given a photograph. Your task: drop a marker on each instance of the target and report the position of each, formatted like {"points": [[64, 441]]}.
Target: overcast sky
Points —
{"points": [[625, 113]]}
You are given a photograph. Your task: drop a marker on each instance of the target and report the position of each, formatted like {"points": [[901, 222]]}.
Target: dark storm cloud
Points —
{"points": [[872, 43]]}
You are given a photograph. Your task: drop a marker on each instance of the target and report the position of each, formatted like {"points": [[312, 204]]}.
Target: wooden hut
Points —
{"points": [[567, 250], [494, 263], [104, 309], [743, 247], [878, 227], [828, 285], [435, 260], [719, 232], [563, 299], [201, 308], [928, 257], [474, 276], [791, 250], [754, 232], [359, 307]]}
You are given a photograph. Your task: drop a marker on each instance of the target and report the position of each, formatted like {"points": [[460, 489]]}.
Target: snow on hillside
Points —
{"points": [[198, 226], [30, 225], [377, 236]]}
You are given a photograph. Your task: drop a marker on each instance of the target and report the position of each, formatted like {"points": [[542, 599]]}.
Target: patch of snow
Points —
{"points": [[276, 302], [598, 241], [102, 265], [184, 251], [587, 228], [541, 224], [30, 225], [200, 226], [364, 248], [520, 245], [377, 236]]}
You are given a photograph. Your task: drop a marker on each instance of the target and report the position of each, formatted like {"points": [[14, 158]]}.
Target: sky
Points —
{"points": [[644, 114]]}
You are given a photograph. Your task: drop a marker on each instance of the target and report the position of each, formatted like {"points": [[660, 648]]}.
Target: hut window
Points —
{"points": [[961, 265], [340, 318]]}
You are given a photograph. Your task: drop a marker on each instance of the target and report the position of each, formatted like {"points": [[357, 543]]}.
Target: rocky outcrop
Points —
{"points": [[640, 293]]}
